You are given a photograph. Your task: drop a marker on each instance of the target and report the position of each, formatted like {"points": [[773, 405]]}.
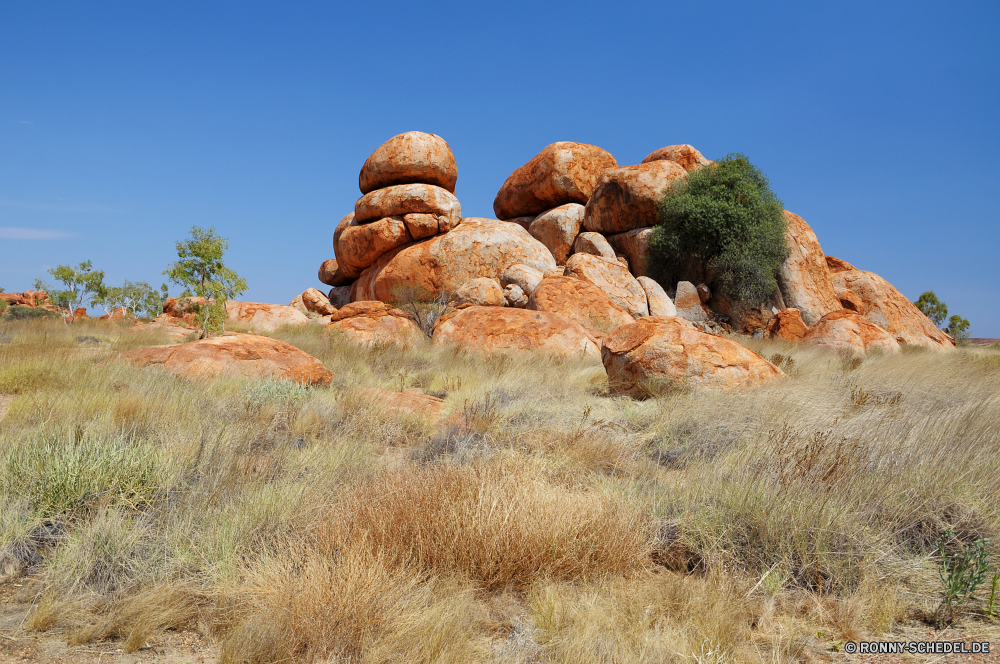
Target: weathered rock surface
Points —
{"points": [[413, 157], [370, 323], [330, 273], [685, 155], [28, 298], [885, 306], [787, 325], [317, 302], [360, 245], [581, 301], [298, 304], [804, 278], [344, 274], [514, 296], [634, 245], [661, 352], [264, 316], [849, 330], [424, 225], [247, 355], [173, 332], [524, 276], [482, 291], [563, 172], [489, 329], [554, 272], [837, 265], [475, 248], [594, 244], [403, 199], [626, 198], [688, 302], [657, 299], [611, 277], [557, 229]]}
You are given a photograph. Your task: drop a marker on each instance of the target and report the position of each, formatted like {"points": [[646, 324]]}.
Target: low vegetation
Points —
{"points": [[539, 520]]}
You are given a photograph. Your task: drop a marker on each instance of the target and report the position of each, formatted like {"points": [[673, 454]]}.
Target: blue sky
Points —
{"points": [[123, 124]]}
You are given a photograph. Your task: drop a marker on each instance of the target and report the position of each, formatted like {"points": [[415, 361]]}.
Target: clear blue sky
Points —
{"points": [[123, 124]]}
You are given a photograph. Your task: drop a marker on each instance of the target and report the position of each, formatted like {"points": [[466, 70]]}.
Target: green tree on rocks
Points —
{"points": [[81, 283]]}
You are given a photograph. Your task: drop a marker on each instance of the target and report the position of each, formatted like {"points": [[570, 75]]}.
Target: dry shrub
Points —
{"points": [[498, 521]]}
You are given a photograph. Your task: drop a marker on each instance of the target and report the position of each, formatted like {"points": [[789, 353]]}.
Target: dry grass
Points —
{"points": [[541, 520]]}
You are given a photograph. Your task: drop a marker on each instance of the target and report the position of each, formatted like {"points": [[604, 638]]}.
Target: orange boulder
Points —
{"points": [[403, 199], [787, 325], [804, 278], [360, 245], [370, 323], [849, 330], [490, 329], [611, 277], [634, 245], [579, 300], [317, 302], [557, 229], [481, 291], [627, 198], [413, 157], [685, 155]]}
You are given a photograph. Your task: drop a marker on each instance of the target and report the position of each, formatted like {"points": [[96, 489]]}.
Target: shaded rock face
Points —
{"points": [[235, 355], [804, 278], [339, 296], [557, 229], [837, 265], [514, 296], [688, 303], [475, 248], [886, 307], [360, 245], [683, 155], [611, 277], [659, 302], [787, 325], [372, 323], [627, 198], [489, 329], [482, 291], [403, 199], [634, 245], [848, 330], [661, 352], [524, 276], [561, 173], [413, 157], [330, 273], [580, 301], [594, 244]]}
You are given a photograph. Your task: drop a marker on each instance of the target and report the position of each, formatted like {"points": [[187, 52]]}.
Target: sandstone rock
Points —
{"points": [[554, 272], [837, 265], [345, 274], [804, 279], [627, 198], [659, 302], [611, 277], [594, 244], [524, 276], [360, 245], [264, 316], [489, 329], [234, 354], [482, 291], [557, 229], [660, 352], [403, 199], [581, 301], [476, 248], [688, 302], [370, 323], [422, 225], [331, 274], [413, 157], [404, 404], [339, 296], [514, 296], [685, 155], [563, 172], [634, 245], [28, 298], [849, 330], [524, 222], [885, 306], [787, 325], [317, 302], [298, 304]]}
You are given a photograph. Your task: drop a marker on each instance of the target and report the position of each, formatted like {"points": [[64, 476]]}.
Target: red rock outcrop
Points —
{"points": [[627, 198], [685, 155], [660, 352], [247, 355], [611, 277], [264, 316], [688, 302], [837, 265], [402, 199], [490, 329], [580, 301], [848, 330], [370, 323], [787, 325], [634, 245], [659, 302], [413, 157], [524, 276], [804, 279], [563, 172], [557, 229]]}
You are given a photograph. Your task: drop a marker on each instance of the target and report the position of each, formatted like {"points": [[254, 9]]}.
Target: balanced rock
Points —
{"points": [[359, 245], [317, 302], [557, 229], [563, 172], [330, 273], [373, 323], [481, 291], [581, 301], [685, 155], [849, 330], [413, 157], [403, 199], [514, 296], [627, 198], [634, 245], [787, 325], [662, 352], [489, 329], [247, 355], [524, 276], [804, 279], [659, 302], [475, 248], [611, 277], [594, 244], [885, 306], [688, 302]]}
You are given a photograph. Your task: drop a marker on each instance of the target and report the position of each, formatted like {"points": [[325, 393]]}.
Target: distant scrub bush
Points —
{"points": [[727, 217]]}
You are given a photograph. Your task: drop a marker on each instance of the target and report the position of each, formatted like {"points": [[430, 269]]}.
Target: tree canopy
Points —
{"points": [[201, 271]]}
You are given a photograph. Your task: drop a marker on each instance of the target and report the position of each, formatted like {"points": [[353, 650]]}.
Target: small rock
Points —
{"points": [[514, 296], [659, 302], [483, 292], [594, 244], [688, 302], [787, 325], [524, 276], [685, 155]]}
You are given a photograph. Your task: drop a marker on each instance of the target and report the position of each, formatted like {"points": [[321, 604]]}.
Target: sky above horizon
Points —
{"points": [[122, 125]]}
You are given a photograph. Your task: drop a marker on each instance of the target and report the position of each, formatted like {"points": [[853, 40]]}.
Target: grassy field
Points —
{"points": [[539, 520]]}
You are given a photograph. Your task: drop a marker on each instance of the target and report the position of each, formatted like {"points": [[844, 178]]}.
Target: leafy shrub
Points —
{"points": [[19, 312], [958, 327], [961, 572], [932, 307], [727, 217]]}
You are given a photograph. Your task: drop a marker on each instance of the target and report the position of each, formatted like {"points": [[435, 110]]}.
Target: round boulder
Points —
{"points": [[370, 323], [684, 155], [410, 158], [628, 197], [482, 291], [611, 277], [403, 199], [580, 301], [557, 229], [849, 330]]}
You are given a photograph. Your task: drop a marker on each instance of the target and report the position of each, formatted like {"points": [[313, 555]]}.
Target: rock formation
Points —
{"points": [[684, 155], [581, 301], [627, 198], [787, 325], [613, 278], [804, 279], [849, 330], [557, 229], [375, 323], [488, 329], [413, 157]]}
